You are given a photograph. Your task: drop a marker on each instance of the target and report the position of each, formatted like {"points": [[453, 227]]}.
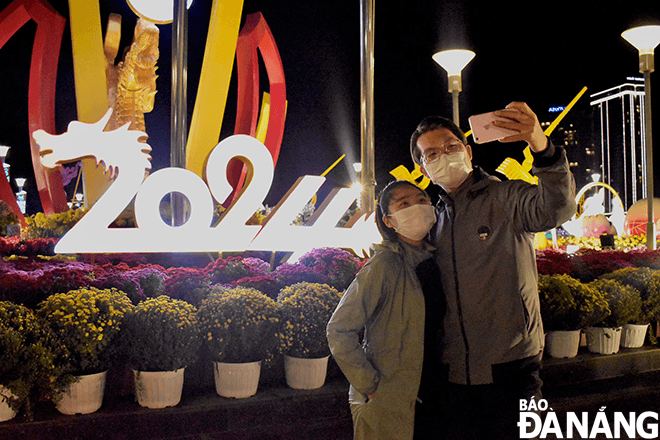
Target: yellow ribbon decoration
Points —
{"points": [[512, 169], [213, 83], [90, 83]]}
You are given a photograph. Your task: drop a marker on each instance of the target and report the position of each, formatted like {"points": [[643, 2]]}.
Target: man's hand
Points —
{"points": [[522, 119]]}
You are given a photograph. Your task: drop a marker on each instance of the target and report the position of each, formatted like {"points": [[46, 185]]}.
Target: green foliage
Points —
{"points": [[647, 282], [28, 354], [161, 334], [624, 303], [239, 325], [568, 304], [86, 322], [306, 309]]}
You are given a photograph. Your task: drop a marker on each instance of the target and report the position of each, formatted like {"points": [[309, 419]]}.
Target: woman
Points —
{"points": [[376, 334]]}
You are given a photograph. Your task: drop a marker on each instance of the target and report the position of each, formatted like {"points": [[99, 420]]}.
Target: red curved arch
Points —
{"points": [[41, 90]]}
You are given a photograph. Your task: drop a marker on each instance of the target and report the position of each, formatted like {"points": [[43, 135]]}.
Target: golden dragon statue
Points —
{"points": [[132, 82]]}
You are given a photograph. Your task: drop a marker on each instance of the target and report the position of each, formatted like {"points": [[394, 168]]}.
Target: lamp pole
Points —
{"points": [[179, 122], [368, 174], [454, 61], [645, 39]]}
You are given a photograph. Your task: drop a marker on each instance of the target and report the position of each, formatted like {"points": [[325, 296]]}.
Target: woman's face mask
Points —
{"points": [[415, 221]]}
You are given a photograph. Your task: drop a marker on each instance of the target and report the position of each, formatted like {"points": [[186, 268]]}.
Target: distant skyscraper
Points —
{"points": [[619, 122], [576, 134]]}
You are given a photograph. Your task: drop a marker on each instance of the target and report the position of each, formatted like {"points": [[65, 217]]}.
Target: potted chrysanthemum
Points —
{"points": [[161, 338], [306, 309], [239, 328], [86, 322], [646, 281], [28, 371], [567, 306], [624, 306]]}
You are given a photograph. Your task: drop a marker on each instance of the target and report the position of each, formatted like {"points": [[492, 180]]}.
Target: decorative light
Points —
{"points": [[357, 187], [454, 61], [572, 248], [156, 11], [357, 166], [645, 39], [595, 177], [20, 182]]}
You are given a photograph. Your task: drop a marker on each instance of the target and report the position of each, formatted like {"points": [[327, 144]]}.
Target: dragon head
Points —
{"points": [[115, 149]]}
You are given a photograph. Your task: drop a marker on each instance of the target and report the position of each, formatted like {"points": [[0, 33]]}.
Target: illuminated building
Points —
{"points": [[619, 122], [576, 134]]}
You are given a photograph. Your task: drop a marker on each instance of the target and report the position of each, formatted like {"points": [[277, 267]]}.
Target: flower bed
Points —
{"points": [[83, 301], [306, 292]]}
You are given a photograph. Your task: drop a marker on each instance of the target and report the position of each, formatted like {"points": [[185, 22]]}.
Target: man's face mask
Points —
{"points": [[449, 170]]}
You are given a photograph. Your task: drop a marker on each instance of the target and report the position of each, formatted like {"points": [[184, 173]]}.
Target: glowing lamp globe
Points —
{"points": [[453, 61], [637, 217], [644, 38], [156, 11]]}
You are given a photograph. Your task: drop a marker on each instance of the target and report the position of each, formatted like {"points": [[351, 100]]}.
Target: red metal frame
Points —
{"points": [[41, 91], [257, 35]]}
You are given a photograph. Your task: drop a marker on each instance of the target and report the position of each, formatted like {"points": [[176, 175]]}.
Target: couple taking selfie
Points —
{"points": [[440, 333]]}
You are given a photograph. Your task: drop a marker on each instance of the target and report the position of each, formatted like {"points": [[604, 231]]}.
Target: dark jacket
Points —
{"points": [[486, 254]]}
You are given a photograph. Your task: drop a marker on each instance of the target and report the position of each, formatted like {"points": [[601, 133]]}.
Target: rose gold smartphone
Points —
{"points": [[483, 129]]}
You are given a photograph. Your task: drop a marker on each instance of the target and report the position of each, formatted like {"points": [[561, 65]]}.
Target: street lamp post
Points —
{"points": [[3, 154], [21, 195], [645, 39], [454, 61]]}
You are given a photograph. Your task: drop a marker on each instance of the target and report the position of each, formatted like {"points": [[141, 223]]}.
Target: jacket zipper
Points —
{"points": [[458, 302]]}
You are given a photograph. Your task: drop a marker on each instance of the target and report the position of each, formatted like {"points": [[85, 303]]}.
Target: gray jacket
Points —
{"points": [[485, 251], [385, 301]]}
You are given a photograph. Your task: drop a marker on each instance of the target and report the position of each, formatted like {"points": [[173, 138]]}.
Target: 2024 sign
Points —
{"points": [[127, 159]]}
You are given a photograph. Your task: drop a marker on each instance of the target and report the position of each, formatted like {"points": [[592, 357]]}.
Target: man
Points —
{"points": [[492, 334]]}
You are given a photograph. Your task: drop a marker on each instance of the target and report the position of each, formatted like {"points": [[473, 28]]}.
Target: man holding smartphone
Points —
{"points": [[492, 334]]}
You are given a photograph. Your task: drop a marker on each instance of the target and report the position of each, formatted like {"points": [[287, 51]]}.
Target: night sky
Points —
{"points": [[539, 53]]}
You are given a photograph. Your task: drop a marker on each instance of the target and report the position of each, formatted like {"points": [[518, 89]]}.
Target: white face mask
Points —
{"points": [[415, 221], [450, 170]]}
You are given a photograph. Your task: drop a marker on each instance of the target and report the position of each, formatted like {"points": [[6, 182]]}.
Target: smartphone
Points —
{"points": [[483, 129]]}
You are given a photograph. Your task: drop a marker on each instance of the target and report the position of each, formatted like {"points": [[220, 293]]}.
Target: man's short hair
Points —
{"points": [[429, 124]]}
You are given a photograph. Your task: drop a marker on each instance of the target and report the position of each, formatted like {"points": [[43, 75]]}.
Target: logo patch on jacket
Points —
{"points": [[483, 232]]}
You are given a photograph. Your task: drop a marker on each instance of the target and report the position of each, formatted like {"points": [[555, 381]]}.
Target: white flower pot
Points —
{"points": [[562, 344], [603, 340], [237, 380], [6, 412], [305, 374], [158, 389], [633, 335], [84, 396]]}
